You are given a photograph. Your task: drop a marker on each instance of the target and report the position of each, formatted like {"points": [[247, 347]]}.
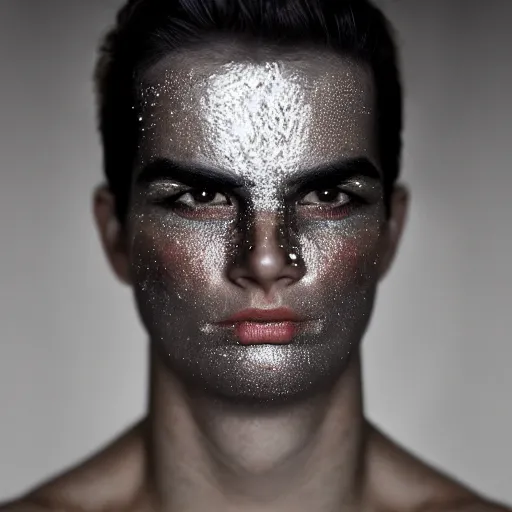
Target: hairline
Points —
{"points": [[228, 50]]}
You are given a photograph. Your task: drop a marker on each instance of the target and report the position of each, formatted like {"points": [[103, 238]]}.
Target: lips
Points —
{"points": [[260, 326]]}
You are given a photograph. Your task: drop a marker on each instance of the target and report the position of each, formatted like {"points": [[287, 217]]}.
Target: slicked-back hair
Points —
{"points": [[148, 30]]}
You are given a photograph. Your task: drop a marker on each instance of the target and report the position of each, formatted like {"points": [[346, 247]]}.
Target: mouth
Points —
{"points": [[264, 326]]}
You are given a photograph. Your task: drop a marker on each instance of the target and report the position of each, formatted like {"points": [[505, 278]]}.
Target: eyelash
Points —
{"points": [[222, 211], [171, 202]]}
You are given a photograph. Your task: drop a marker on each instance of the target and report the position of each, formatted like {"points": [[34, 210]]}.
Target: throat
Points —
{"points": [[209, 455]]}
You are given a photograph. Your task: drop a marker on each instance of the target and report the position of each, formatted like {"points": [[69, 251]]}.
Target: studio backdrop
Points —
{"points": [[73, 357]]}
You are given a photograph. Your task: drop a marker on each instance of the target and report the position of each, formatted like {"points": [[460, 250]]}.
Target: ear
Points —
{"points": [[112, 233], [399, 205]]}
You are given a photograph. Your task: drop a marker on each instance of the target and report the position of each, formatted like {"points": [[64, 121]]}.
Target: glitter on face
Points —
{"points": [[261, 122], [259, 116]]}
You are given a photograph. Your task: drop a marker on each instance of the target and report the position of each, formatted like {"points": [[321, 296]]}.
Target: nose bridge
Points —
{"points": [[266, 232]]}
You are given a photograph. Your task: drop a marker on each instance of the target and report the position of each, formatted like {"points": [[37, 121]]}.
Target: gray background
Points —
{"points": [[438, 353]]}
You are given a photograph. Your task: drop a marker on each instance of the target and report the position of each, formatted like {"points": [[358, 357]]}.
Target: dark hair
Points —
{"points": [[147, 30]]}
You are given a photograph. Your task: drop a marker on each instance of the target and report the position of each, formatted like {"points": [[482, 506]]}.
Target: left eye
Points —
{"points": [[326, 197], [203, 198]]}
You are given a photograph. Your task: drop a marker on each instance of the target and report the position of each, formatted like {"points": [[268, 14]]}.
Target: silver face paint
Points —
{"points": [[259, 117], [262, 123]]}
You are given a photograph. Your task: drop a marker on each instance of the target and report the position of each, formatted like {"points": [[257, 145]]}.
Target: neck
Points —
{"points": [[206, 455]]}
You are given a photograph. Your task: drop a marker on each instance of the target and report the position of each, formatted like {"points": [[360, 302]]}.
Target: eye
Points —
{"points": [[202, 204], [328, 197], [330, 203], [201, 198]]}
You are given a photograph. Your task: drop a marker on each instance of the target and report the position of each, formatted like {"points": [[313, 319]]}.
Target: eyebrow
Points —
{"points": [[190, 174], [197, 174], [343, 169]]}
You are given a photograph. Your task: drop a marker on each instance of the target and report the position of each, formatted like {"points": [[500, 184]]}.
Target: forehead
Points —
{"points": [[278, 111]]}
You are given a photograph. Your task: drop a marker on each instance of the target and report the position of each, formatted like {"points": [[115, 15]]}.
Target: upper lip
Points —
{"points": [[264, 315]]}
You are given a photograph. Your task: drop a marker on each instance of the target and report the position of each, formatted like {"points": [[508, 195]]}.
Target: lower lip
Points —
{"points": [[257, 333]]}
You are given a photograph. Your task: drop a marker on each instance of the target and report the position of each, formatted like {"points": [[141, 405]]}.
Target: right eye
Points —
{"points": [[202, 198], [199, 204]]}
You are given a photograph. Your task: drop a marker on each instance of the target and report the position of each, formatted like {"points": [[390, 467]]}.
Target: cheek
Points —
{"points": [[179, 259], [337, 259]]}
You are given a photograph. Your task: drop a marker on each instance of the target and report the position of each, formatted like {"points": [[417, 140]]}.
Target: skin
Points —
{"points": [[255, 428], [276, 243]]}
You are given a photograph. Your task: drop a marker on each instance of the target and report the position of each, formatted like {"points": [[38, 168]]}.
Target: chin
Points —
{"points": [[267, 375]]}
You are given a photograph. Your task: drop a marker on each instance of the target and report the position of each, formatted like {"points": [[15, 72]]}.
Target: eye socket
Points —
{"points": [[198, 198], [330, 197], [200, 204]]}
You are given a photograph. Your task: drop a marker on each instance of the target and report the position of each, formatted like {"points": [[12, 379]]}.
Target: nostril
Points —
{"points": [[245, 281], [286, 281]]}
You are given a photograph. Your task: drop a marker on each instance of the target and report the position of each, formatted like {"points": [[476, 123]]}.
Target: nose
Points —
{"points": [[267, 260]]}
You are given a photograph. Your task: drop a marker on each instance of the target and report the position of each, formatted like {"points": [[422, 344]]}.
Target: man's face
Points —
{"points": [[257, 185]]}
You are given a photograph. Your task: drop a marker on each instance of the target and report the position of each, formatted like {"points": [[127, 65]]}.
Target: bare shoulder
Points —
{"points": [[111, 480], [23, 506], [469, 505], [398, 481]]}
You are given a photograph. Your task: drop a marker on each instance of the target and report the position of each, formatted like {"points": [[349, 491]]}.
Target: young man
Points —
{"points": [[251, 153]]}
